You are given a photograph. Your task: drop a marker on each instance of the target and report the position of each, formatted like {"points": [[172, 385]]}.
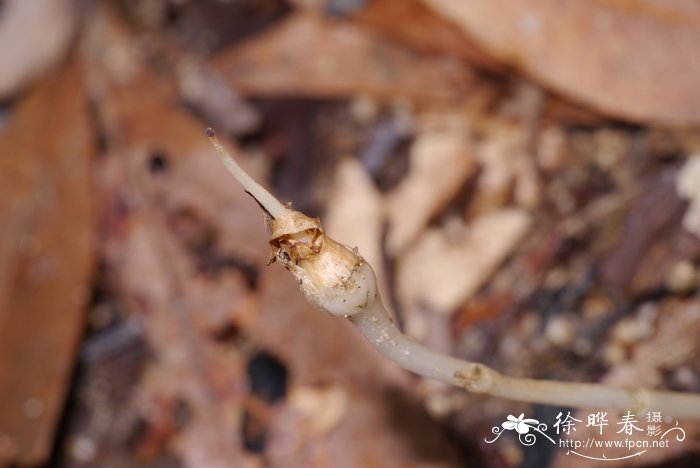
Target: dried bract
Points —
{"points": [[332, 276]]}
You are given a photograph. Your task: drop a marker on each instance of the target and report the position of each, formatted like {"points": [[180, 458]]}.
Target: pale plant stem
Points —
{"points": [[265, 198], [336, 279], [376, 325]]}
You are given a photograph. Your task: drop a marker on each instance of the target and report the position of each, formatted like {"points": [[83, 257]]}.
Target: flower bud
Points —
{"points": [[332, 276]]}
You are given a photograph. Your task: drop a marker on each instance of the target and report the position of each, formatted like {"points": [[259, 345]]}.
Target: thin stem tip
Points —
{"points": [[263, 197]]}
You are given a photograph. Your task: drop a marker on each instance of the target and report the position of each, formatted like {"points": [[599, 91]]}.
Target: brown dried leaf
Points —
{"points": [[414, 24], [355, 214], [46, 260], [507, 169], [372, 426], [688, 187], [34, 35], [308, 55], [205, 90], [635, 59], [443, 270], [441, 161]]}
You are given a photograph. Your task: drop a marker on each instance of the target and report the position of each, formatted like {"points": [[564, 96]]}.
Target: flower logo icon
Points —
{"points": [[521, 425]]}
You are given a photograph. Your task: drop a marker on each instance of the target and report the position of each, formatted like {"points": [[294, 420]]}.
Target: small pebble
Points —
{"points": [[613, 354], [83, 449], [560, 331], [682, 278], [633, 330], [364, 109], [686, 378]]}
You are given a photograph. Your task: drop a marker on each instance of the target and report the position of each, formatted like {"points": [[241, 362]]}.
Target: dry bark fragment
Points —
{"points": [[652, 216]]}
